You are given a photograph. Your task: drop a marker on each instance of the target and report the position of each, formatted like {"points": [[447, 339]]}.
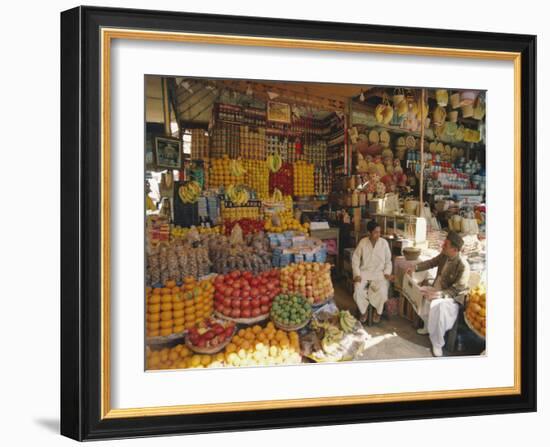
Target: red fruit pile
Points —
{"points": [[243, 295], [210, 333], [247, 225], [283, 180]]}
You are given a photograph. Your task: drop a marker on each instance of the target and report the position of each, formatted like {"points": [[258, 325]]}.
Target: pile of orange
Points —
{"points": [[180, 357], [172, 309], [476, 311]]}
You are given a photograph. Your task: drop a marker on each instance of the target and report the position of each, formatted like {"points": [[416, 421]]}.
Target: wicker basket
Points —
{"points": [[472, 328], [289, 327], [214, 350], [164, 340], [244, 321]]}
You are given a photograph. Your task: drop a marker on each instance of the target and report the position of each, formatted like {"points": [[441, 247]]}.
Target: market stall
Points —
{"points": [[257, 193]]}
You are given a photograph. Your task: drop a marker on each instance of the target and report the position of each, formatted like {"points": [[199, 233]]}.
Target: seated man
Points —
{"points": [[372, 267], [453, 273]]}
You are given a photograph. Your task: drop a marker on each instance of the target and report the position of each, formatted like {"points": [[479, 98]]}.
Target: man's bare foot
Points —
{"points": [[375, 317]]}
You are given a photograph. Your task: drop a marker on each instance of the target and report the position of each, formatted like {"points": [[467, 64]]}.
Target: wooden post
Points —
{"points": [[166, 108], [422, 124], [348, 144]]}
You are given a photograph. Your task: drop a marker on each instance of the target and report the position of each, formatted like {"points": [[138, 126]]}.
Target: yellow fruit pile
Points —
{"points": [[181, 232], [221, 174], [303, 178], [240, 212], [288, 222], [181, 357], [172, 309], [476, 310], [263, 346], [257, 177], [252, 346]]}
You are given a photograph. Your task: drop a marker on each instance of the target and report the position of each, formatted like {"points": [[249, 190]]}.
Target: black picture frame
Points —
{"points": [[158, 146], [82, 207]]}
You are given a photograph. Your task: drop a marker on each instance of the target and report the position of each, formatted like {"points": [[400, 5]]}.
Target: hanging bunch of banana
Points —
{"points": [[189, 192], [274, 162], [236, 168], [289, 203], [277, 195], [238, 195]]}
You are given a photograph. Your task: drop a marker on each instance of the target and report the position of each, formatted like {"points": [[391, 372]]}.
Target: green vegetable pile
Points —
{"points": [[290, 310]]}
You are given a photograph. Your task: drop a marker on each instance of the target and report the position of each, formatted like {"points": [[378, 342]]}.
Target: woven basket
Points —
{"points": [[244, 321], [209, 350], [165, 339], [289, 328]]}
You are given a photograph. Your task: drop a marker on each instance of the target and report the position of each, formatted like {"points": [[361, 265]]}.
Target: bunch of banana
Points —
{"points": [[236, 168], [331, 340], [289, 205], [347, 321], [190, 192], [277, 195], [237, 194], [274, 162]]}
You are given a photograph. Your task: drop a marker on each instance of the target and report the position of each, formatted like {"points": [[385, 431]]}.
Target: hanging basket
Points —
{"points": [[442, 97], [479, 109], [402, 108], [439, 116], [398, 96], [455, 100], [384, 111], [467, 111], [468, 97]]}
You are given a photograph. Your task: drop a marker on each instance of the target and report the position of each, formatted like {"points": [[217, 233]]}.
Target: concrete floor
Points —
{"points": [[395, 337]]}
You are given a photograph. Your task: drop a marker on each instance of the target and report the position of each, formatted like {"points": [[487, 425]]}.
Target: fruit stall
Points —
{"points": [[256, 193]]}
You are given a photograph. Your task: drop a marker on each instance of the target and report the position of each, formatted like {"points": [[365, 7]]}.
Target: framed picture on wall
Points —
{"points": [[168, 152], [278, 112], [218, 326]]}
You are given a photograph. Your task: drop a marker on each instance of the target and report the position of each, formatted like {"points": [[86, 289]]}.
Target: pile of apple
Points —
{"points": [[210, 333], [309, 279], [247, 225], [243, 295]]}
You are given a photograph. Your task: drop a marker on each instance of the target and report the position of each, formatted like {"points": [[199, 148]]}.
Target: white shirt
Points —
{"points": [[371, 262]]}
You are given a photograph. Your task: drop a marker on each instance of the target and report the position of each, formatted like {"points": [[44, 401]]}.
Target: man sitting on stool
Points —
{"points": [[453, 273], [371, 264]]}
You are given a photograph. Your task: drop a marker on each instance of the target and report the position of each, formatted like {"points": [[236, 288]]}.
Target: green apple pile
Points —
{"points": [[290, 310]]}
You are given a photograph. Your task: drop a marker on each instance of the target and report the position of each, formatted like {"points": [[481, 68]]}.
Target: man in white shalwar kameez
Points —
{"points": [[439, 310], [372, 267]]}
